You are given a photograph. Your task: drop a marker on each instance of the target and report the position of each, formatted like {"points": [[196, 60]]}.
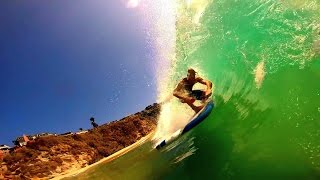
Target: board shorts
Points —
{"points": [[197, 94]]}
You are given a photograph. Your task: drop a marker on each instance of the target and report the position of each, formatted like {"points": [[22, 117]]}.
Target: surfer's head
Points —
{"points": [[191, 74]]}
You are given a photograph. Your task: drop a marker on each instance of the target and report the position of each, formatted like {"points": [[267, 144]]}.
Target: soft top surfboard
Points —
{"points": [[196, 119]]}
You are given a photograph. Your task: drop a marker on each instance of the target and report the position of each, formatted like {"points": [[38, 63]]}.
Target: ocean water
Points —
{"points": [[263, 57]]}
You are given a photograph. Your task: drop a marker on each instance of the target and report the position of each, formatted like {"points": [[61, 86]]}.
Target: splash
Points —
{"points": [[174, 114], [197, 8], [259, 74], [161, 18]]}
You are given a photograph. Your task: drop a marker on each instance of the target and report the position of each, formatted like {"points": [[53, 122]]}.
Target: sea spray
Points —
{"points": [[259, 74], [174, 114], [161, 18]]}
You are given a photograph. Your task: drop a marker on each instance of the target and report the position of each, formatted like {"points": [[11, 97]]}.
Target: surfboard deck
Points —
{"points": [[196, 119]]}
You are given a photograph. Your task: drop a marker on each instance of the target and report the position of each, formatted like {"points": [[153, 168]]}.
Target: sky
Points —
{"points": [[62, 62]]}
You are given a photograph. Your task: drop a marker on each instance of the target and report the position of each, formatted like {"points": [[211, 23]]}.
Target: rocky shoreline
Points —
{"points": [[49, 157], [73, 172]]}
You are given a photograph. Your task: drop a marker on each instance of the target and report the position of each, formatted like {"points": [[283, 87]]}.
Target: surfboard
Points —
{"points": [[195, 120]]}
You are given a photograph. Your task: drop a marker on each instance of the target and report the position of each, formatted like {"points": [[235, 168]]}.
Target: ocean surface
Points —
{"points": [[263, 57]]}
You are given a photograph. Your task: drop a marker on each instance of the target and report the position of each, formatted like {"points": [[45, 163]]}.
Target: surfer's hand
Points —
{"points": [[208, 93]]}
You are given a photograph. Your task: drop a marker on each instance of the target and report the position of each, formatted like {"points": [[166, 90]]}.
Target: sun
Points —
{"points": [[133, 3]]}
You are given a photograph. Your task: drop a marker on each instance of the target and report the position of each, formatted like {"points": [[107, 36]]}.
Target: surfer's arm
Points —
{"points": [[207, 83], [181, 96], [178, 92]]}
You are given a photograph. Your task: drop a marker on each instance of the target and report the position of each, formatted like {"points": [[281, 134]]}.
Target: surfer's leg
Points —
{"points": [[194, 107], [198, 94]]}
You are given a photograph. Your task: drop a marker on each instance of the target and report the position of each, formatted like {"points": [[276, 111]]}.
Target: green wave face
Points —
{"points": [[263, 57]]}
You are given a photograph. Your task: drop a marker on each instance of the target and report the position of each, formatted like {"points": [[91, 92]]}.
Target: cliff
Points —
{"points": [[53, 155]]}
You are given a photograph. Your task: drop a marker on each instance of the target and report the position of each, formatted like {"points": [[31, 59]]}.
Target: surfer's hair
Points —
{"points": [[191, 70]]}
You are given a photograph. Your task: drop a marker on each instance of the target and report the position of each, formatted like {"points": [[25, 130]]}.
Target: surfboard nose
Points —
{"points": [[159, 146]]}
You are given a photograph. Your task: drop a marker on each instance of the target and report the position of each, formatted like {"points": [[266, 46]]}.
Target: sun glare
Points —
{"points": [[133, 3]]}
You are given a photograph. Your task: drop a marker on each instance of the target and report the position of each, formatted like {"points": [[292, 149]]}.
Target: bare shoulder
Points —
{"points": [[203, 81], [183, 81], [181, 84], [199, 79]]}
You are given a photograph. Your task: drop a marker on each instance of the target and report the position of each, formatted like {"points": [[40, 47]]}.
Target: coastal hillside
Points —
{"points": [[55, 155]]}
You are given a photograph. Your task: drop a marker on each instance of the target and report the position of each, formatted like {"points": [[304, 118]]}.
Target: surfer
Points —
{"points": [[185, 93]]}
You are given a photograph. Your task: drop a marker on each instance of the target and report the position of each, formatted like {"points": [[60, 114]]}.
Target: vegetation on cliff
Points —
{"points": [[49, 156]]}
